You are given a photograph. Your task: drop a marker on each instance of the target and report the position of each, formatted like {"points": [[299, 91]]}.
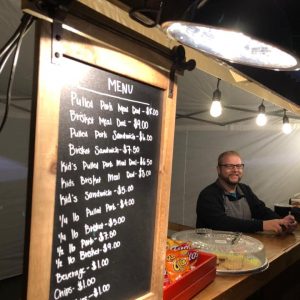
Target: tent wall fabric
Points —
{"points": [[14, 143], [13, 187]]}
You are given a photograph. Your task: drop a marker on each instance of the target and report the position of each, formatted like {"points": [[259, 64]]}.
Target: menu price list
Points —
{"points": [[109, 133]]}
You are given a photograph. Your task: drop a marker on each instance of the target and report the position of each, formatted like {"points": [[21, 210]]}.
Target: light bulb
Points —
{"points": [[286, 128], [261, 119], [216, 108]]}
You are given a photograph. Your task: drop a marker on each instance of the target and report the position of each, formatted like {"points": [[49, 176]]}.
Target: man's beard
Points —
{"points": [[230, 182]]}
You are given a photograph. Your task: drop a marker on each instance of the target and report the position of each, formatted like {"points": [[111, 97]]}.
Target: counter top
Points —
{"points": [[281, 251]]}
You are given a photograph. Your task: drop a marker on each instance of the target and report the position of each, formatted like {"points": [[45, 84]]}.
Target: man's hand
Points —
{"points": [[279, 225], [292, 223]]}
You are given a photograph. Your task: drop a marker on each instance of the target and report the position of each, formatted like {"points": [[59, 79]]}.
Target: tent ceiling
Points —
{"points": [[195, 91], [282, 18]]}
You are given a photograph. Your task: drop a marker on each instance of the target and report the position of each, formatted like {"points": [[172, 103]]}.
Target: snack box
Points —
{"points": [[194, 281]]}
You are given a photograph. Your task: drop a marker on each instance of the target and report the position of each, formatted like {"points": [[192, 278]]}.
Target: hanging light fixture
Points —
{"points": [[261, 119], [216, 106], [227, 29], [286, 126]]}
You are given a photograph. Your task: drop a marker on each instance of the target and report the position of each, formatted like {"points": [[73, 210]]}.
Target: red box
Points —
{"points": [[194, 281]]}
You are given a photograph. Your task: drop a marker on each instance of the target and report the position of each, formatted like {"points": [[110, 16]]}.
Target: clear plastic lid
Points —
{"points": [[235, 251]]}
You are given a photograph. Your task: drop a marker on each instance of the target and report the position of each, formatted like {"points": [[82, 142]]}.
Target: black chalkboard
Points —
{"points": [[106, 187]]}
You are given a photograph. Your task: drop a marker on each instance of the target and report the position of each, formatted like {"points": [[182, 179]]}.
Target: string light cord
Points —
{"points": [[11, 42], [8, 48], [14, 44]]}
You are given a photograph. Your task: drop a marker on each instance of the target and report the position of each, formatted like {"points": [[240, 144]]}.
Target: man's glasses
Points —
{"points": [[231, 166]]}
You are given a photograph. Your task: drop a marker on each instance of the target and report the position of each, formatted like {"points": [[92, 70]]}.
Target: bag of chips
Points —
{"points": [[177, 263], [180, 258]]}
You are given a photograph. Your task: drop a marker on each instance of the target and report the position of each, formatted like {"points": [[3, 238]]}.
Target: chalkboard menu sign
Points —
{"points": [[106, 185]]}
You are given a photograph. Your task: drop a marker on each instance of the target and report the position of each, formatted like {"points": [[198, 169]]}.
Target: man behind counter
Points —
{"points": [[230, 205]]}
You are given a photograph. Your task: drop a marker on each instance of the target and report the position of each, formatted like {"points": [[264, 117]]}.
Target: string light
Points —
{"points": [[261, 119], [286, 126], [216, 106]]}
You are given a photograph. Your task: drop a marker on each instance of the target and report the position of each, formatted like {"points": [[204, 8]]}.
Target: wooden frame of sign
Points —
{"points": [[101, 174]]}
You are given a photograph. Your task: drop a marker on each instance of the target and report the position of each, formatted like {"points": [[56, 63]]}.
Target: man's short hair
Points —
{"points": [[222, 155]]}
